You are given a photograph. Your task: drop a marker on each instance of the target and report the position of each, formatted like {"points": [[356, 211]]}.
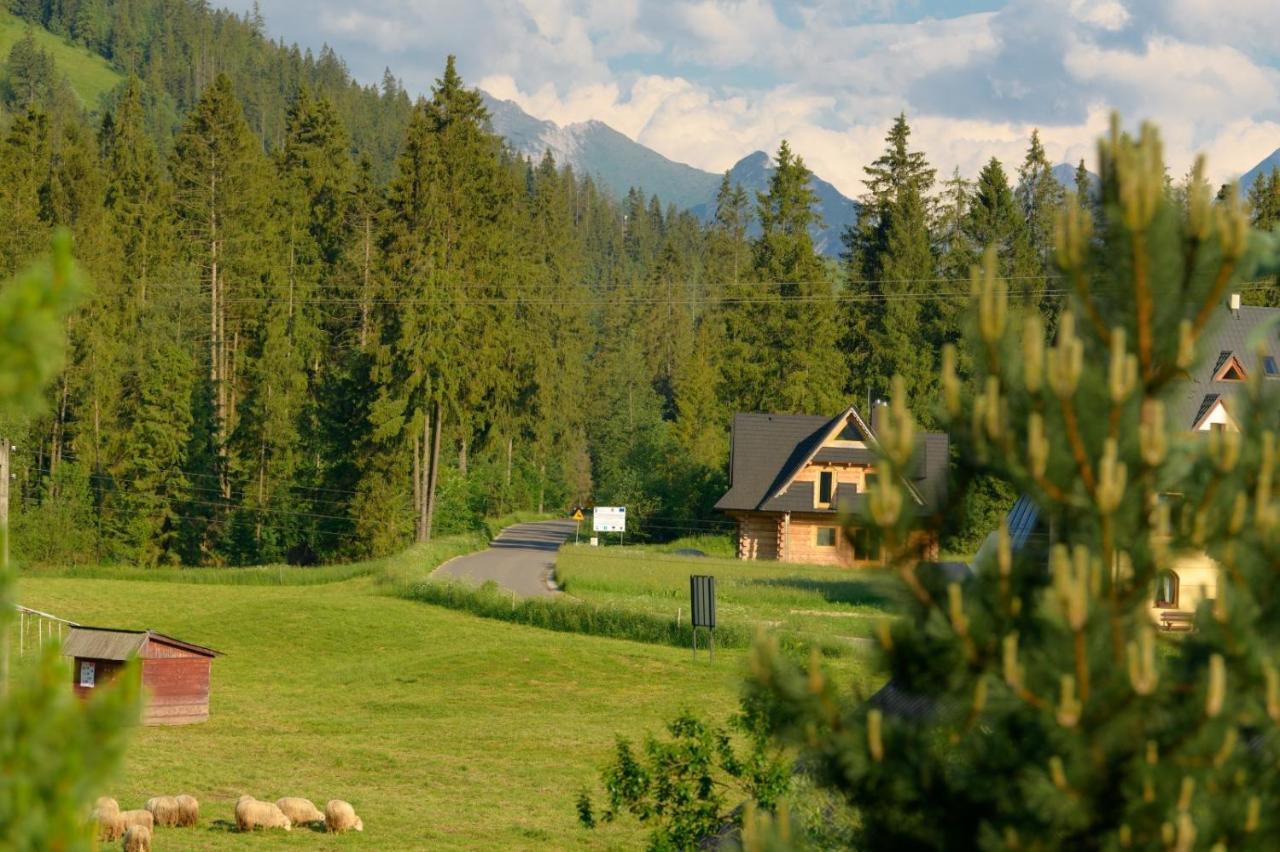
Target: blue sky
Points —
{"points": [[708, 81]]}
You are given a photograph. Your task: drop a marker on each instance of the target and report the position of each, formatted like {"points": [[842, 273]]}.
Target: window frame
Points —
{"points": [[817, 536], [818, 502]]}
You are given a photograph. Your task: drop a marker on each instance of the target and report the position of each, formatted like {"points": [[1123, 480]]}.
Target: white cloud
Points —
{"points": [[708, 81]]}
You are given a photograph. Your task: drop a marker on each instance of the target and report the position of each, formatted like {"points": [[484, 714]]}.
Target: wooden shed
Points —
{"points": [[175, 674]]}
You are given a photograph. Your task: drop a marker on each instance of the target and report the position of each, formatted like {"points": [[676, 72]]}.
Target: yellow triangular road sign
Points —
{"points": [[577, 516]]}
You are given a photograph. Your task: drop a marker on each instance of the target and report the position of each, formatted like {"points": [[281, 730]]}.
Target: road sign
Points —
{"points": [[577, 515], [702, 600], [609, 519], [702, 593]]}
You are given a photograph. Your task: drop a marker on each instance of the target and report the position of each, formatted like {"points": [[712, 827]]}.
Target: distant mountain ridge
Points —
{"points": [[619, 163], [1263, 168]]}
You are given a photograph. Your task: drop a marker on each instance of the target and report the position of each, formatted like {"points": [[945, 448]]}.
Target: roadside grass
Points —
{"points": [[407, 566], [722, 546], [90, 75], [813, 603], [444, 730]]}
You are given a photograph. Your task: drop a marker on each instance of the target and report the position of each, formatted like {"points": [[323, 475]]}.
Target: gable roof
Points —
{"points": [[105, 643], [769, 450], [1228, 335]]}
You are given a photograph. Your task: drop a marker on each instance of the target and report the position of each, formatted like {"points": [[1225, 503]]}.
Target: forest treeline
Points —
{"points": [[328, 320]]}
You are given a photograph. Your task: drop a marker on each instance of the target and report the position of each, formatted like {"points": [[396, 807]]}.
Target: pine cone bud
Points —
{"points": [[1037, 445], [1122, 377], [1233, 225], [1143, 674], [1069, 707], [955, 608], [1033, 352], [1186, 345], [874, 742], [1153, 441], [1058, 773], [1217, 691], [1112, 475], [993, 299], [1012, 670], [1199, 202], [1066, 359], [950, 381]]}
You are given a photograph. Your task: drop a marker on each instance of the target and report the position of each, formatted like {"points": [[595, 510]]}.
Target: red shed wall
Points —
{"points": [[177, 690]]}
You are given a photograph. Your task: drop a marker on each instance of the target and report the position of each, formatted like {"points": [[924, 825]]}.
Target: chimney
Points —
{"points": [[1235, 303], [877, 415]]}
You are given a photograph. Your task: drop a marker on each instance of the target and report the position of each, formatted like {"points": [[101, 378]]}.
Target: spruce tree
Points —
{"points": [[1055, 716], [1040, 198], [808, 372]]}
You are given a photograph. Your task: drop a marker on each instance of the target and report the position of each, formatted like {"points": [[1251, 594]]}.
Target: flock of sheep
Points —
{"points": [[135, 826]]}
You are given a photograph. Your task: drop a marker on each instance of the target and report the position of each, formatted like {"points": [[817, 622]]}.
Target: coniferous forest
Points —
{"points": [[328, 320]]}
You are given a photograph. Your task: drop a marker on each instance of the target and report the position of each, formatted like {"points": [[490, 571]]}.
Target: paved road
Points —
{"points": [[520, 559]]}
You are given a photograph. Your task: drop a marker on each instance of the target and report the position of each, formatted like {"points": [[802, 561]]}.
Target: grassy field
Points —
{"points": [[808, 601], [90, 75], [444, 730]]}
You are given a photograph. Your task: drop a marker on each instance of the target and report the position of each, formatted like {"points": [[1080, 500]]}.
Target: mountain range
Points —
{"points": [[619, 163]]}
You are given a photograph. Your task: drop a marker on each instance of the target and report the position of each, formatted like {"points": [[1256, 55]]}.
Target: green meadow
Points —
{"points": [[804, 602], [443, 729], [90, 75]]}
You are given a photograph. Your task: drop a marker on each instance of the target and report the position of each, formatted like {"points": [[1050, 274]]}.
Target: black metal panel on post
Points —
{"points": [[702, 592]]}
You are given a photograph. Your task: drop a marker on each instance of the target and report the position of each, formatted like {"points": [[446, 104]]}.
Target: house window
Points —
{"points": [[825, 536], [826, 487], [1229, 368], [851, 432], [866, 545], [86, 674], [1167, 590], [870, 480], [1269, 366]]}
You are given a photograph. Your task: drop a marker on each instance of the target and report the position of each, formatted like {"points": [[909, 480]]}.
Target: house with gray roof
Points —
{"points": [[1241, 342], [797, 481]]}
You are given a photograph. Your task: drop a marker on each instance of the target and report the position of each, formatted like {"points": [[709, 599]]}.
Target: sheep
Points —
{"points": [[299, 811], [106, 812], [137, 839], [340, 816], [188, 811], [137, 817], [164, 809], [251, 814]]}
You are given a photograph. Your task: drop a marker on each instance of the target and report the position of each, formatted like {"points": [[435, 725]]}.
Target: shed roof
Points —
{"points": [[106, 643]]}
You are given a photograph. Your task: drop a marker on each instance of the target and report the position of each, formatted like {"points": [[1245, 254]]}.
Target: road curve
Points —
{"points": [[520, 559]]}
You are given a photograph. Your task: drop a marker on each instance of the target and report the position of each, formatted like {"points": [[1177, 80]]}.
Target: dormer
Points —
{"points": [[1229, 368]]}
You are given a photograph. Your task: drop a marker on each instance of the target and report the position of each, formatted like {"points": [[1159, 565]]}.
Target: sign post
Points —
{"points": [[577, 524], [702, 610], [609, 519]]}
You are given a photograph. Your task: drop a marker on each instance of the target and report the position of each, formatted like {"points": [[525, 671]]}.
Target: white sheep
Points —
{"points": [[340, 816]]}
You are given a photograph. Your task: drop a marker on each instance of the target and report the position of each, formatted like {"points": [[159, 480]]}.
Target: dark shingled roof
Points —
{"points": [[765, 449], [1227, 334], [769, 449]]}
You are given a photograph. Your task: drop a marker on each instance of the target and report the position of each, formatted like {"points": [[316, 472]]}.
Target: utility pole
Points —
{"points": [[4, 502]]}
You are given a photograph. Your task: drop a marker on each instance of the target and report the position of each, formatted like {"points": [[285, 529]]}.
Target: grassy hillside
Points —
{"points": [[444, 730], [90, 75], [806, 601]]}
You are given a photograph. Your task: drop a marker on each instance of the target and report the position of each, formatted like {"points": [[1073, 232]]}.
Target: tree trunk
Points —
{"points": [[364, 290], [462, 457], [420, 529], [542, 485], [510, 451], [435, 469]]}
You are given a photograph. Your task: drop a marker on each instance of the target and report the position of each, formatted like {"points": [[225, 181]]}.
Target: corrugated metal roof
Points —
{"points": [[1022, 520], [104, 643], [99, 644]]}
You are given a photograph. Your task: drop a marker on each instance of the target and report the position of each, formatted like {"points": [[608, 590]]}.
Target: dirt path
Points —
{"points": [[520, 559]]}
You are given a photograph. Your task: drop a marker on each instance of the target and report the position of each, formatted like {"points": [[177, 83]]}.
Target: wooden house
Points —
{"points": [[796, 480], [175, 674]]}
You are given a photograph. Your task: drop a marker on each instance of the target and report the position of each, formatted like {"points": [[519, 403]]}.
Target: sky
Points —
{"points": [[707, 82]]}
